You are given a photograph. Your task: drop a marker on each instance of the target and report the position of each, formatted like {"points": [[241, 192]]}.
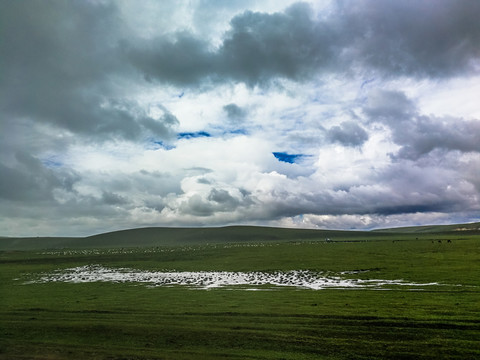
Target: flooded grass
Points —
{"points": [[302, 279], [357, 300]]}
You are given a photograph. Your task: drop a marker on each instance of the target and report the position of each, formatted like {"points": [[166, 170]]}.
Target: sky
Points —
{"points": [[355, 114]]}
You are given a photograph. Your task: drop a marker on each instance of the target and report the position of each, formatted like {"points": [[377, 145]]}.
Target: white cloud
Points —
{"points": [[373, 141]]}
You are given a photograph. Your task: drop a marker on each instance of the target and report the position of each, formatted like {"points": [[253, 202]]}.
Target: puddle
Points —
{"points": [[220, 279]]}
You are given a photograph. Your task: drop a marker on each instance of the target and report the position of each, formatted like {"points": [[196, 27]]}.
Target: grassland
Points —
{"points": [[181, 236], [132, 321]]}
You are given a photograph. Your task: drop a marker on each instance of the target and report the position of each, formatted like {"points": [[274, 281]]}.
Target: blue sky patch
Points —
{"points": [[288, 158], [238, 132], [161, 145], [192, 135], [51, 163]]}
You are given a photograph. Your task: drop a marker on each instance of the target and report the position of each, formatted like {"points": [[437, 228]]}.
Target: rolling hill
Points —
{"points": [[469, 227], [161, 236]]}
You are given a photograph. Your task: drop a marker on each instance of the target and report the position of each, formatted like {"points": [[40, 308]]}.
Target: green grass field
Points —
{"points": [[99, 320]]}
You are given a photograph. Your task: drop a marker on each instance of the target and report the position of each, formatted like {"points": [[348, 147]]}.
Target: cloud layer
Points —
{"points": [[350, 114]]}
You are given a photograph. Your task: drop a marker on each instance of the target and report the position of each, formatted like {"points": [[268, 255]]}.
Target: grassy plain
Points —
{"points": [[131, 321]]}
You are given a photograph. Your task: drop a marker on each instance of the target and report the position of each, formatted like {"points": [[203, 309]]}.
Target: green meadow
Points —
{"points": [[130, 320]]}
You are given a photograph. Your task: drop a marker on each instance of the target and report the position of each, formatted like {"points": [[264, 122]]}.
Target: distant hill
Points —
{"points": [[158, 236], [469, 227], [161, 236], [36, 243]]}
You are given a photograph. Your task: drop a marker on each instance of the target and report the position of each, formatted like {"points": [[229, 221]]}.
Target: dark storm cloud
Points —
{"points": [[157, 206], [157, 183], [260, 46], [410, 37], [257, 48], [14, 185], [204, 181], [223, 199], [62, 83], [29, 180], [348, 133], [111, 198], [416, 187], [197, 206], [60, 65], [388, 106], [426, 134], [421, 39], [235, 112], [405, 189], [419, 134], [64, 63], [217, 201], [181, 60]]}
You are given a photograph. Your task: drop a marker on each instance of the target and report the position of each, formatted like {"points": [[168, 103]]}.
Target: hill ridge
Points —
{"points": [[175, 236]]}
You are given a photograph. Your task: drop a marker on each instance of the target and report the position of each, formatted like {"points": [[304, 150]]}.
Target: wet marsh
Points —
{"points": [[139, 319]]}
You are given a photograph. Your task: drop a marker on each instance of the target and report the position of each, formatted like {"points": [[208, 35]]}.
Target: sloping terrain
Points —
{"points": [[242, 300], [157, 236], [470, 227], [161, 236]]}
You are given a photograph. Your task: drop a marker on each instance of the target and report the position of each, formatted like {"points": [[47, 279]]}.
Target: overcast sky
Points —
{"points": [[354, 114]]}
